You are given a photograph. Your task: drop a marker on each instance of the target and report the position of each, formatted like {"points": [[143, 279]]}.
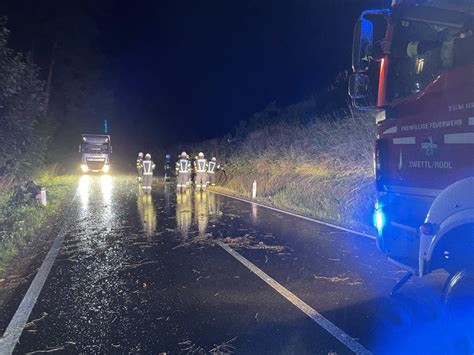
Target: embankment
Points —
{"points": [[21, 216], [322, 169]]}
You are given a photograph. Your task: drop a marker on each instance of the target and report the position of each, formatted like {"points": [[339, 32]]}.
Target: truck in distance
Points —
{"points": [[95, 152]]}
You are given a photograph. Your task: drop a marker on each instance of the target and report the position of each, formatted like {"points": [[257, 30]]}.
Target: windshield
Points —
{"points": [[420, 51], [95, 149]]}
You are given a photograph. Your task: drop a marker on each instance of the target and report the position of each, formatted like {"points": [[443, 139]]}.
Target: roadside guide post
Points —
{"points": [[44, 200], [254, 189]]}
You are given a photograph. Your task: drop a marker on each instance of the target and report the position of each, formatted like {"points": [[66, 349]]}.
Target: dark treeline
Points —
{"points": [[54, 86]]}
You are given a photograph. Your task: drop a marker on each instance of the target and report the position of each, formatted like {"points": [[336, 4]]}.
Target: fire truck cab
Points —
{"points": [[414, 68]]}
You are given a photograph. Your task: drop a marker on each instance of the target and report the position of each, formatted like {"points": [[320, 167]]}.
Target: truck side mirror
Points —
{"points": [[359, 86], [359, 92], [362, 45]]}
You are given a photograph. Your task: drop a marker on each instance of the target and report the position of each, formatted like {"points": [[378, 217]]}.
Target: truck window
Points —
{"points": [[420, 51], [95, 149]]}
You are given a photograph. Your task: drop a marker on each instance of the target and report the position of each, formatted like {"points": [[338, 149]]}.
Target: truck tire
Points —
{"points": [[458, 298]]}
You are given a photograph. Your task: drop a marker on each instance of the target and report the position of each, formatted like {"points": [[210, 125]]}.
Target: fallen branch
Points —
{"points": [[224, 348], [34, 321], [52, 350], [134, 266]]}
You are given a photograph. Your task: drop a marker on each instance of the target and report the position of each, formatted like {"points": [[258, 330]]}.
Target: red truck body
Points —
{"points": [[424, 151]]}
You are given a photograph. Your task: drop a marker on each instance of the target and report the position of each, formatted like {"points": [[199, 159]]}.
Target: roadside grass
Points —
{"points": [[322, 169], [20, 221]]}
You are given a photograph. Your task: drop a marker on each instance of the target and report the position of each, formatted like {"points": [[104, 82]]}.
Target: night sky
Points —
{"points": [[189, 70]]}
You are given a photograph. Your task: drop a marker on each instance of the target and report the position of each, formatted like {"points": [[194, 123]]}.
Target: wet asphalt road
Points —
{"points": [[145, 274]]}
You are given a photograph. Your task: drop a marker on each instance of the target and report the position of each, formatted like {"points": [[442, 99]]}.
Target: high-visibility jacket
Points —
{"points": [[139, 163], [148, 167], [213, 166], [183, 165], [201, 165]]}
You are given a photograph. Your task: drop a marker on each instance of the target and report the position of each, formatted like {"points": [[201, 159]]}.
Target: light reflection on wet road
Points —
{"points": [[143, 274]]}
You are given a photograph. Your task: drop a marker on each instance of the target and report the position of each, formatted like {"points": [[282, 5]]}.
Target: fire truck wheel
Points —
{"points": [[459, 302]]}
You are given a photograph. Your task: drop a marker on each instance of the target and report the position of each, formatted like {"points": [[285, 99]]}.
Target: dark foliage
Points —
{"points": [[24, 129]]}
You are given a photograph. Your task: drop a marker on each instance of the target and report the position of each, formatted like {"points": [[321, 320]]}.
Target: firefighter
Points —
{"points": [[167, 168], [201, 172], [183, 169], [211, 171], [148, 168], [140, 167], [193, 170]]}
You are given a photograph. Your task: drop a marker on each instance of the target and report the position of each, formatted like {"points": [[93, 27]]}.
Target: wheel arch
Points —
{"points": [[452, 212]]}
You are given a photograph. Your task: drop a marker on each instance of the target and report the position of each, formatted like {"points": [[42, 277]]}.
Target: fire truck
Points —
{"points": [[95, 152], [413, 68]]}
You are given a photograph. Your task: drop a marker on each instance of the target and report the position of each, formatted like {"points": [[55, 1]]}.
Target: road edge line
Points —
{"points": [[317, 317], [15, 328], [310, 219]]}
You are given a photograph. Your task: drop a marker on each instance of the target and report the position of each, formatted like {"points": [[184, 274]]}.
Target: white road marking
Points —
{"points": [[13, 332], [335, 226], [459, 138], [331, 328], [404, 140]]}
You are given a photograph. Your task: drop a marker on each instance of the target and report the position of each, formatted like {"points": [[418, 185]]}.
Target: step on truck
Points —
{"points": [[414, 69], [95, 152]]}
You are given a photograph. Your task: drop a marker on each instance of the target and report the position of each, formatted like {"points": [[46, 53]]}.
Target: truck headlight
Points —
{"points": [[106, 168], [84, 168]]}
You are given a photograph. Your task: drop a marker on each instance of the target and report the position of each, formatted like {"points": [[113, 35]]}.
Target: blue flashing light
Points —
{"points": [[379, 221], [106, 127]]}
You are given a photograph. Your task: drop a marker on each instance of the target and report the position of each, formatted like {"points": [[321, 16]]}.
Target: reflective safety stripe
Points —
{"points": [[201, 165], [459, 138], [148, 167], [404, 140], [183, 165], [212, 167]]}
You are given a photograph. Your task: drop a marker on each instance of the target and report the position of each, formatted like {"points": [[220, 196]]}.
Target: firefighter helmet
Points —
{"points": [[168, 156], [148, 156], [201, 155], [183, 155], [140, 155], [214, 159]]}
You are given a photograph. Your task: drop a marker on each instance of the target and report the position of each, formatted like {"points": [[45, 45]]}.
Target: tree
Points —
{"points": [[24, 128]]}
